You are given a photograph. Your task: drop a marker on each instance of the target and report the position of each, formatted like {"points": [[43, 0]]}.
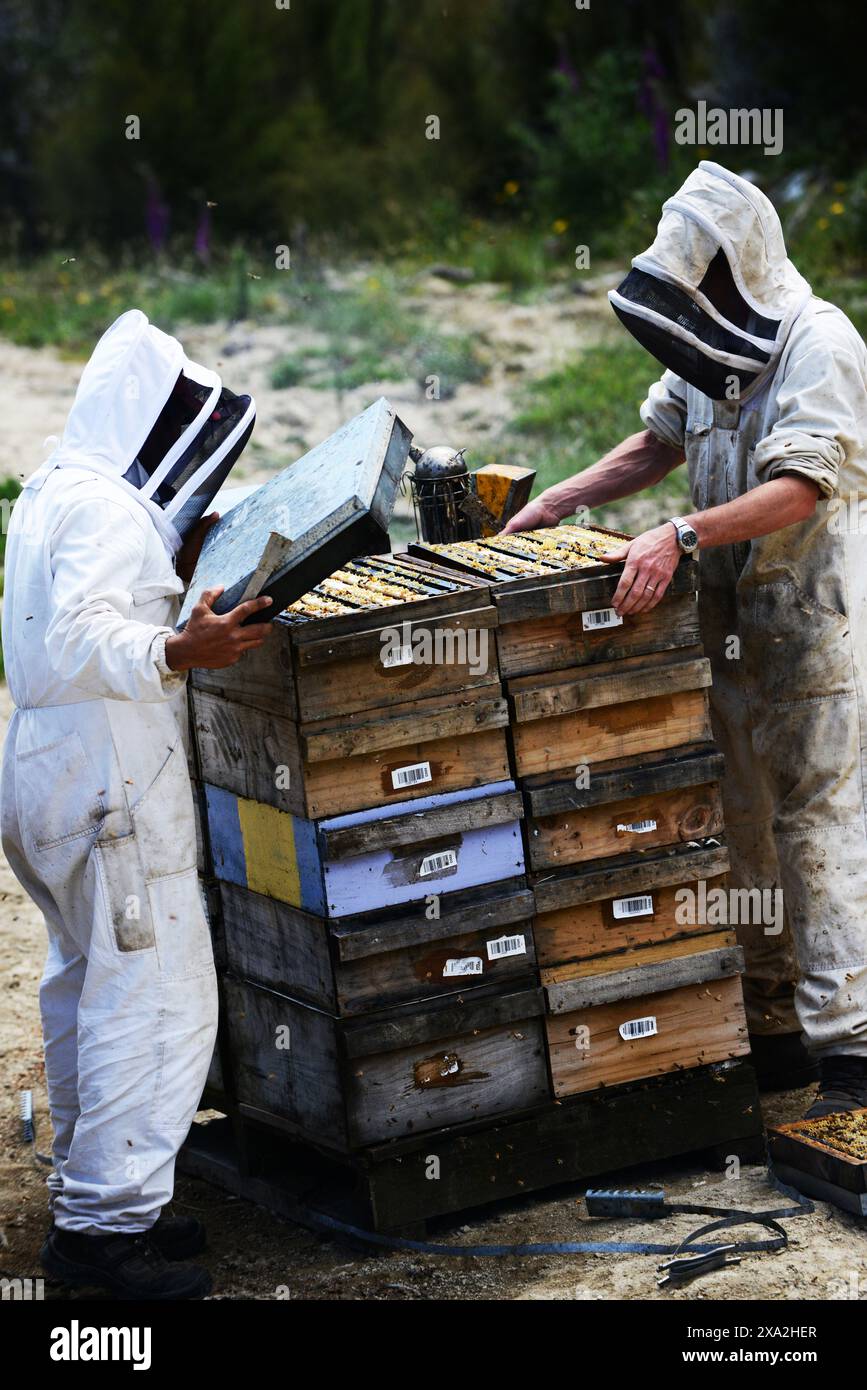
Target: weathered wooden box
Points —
{"points": [[616, 915], [672, 1012], [346, 660], [564, 720], [553, 622], [371, 859], [345, 1083], [379, 758], [627, 805], [458, 943]]}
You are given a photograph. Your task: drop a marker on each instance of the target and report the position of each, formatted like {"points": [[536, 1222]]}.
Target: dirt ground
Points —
{"points": [[252, 1254]]}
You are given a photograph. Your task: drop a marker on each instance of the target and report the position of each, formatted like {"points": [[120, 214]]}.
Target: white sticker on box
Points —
{"points": [[397, 656], [633, 907], [438, 863], [507, 946], [467, 965], [637, 827], [600, 617], [411, 776], [638, 1028]]}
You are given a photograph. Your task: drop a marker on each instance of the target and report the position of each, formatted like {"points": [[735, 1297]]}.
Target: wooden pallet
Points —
{"points": [[387, 1188]]}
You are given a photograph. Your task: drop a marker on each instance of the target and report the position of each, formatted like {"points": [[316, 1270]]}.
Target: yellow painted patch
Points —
{"points": [[269, 851]]}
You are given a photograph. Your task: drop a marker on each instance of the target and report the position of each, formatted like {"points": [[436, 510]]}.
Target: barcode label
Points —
{"points": [[507, 946], [637, 827], [638, 1028], [397, 656], [437, 863], [633, 907], [600, 617], [411, 776], [468, 965]]}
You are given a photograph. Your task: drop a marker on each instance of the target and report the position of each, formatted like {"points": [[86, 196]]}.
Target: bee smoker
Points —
{"points": [[440, 484]]}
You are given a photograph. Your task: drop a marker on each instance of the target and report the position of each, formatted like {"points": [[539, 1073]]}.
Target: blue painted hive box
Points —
{"points": [[370, 859]]}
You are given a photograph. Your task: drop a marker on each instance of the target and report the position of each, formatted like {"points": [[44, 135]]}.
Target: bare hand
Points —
{"points": [[535, 515], [651, 560], [214, 640], [188, 556]]}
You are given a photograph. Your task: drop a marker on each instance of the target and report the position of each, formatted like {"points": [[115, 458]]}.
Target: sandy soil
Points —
{"points": [[252, 1254]]}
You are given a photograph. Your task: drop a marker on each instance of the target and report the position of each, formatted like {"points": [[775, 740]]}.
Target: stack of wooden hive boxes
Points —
{"points": [[365, 835], [370, 819], [613, 752]]}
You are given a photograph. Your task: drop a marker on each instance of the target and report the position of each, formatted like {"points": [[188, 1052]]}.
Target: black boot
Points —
{"points": [[842, 1086], [129, 1266], [782, 1062], [176, 1237]]}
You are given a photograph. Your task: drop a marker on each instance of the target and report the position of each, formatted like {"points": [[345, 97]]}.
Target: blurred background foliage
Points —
{"points": [[306, 124], [303, 124]]}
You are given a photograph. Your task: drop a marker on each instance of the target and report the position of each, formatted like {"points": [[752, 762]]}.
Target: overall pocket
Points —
{"points": [[798, 648], [696, 446], [56, 793]]}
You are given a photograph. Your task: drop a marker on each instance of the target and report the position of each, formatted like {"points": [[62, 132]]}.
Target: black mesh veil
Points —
{"points": [[696, 362], [185, 488]]}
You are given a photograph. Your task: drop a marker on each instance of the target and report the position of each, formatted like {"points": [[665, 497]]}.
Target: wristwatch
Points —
{"points": [[687, 538]]}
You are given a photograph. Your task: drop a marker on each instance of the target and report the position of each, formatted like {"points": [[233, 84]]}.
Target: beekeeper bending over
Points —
{"points": [[97, 810], [765, 395]]}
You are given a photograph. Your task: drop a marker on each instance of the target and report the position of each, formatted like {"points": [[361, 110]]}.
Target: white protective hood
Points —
{"points": [[117, 418], [704, 336]]}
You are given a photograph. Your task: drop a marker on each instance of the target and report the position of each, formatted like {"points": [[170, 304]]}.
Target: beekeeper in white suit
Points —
{"points": [[765, 395], [97, 811]]}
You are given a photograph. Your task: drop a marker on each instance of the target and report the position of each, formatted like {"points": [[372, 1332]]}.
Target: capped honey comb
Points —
{"points": [[552, 550], [374, 581], [846, 1133]]}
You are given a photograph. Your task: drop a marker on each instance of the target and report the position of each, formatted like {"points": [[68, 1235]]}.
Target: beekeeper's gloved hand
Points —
{"points": [[214, 640]]}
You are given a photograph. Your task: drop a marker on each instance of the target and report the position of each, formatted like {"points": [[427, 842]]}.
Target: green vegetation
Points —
{"points": [[370, 334], [67, 302]]}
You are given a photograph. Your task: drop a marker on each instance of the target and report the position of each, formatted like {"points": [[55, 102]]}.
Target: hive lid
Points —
{"points": [[333, 504]]}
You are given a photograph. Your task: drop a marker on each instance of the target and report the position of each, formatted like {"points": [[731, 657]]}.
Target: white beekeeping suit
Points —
{"points": [[97, 811], [765, 379]]}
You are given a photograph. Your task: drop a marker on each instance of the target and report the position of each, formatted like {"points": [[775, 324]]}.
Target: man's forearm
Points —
{"points": [[634, 464], [652, 557], [769, 507]]}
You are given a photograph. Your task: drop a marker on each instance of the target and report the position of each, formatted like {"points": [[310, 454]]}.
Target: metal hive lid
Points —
{"points": [[333, 504]]}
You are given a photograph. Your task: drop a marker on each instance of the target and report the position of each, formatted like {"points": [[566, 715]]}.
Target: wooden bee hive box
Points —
{"points": [[347, 702], [553, 598], [825, 1158]]}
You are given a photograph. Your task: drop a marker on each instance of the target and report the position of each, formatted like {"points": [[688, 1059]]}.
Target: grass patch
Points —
{"points": [[369, 335], [68, 302]]}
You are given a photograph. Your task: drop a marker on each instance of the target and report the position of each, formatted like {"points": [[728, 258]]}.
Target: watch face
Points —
{"points": [[688, 538]]}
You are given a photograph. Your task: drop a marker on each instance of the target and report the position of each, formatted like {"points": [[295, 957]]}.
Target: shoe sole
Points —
{"points": [[77, 1276]]}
